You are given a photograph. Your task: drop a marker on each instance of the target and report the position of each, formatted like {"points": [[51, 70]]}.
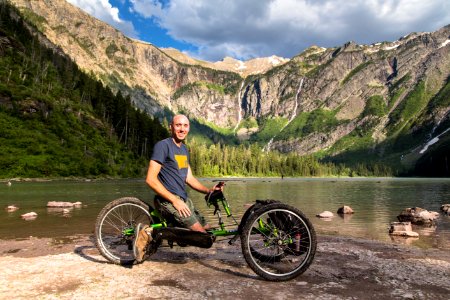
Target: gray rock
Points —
{"points": [[11, 208], [29, 216], [325, 214], [402, 229], [345, 210], [417, 215], [63, 204]]}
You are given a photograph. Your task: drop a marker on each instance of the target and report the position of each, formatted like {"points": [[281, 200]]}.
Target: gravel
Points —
{"points": [[344, 268]]}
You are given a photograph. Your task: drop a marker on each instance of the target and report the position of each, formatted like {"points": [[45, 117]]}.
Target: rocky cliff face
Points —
{"points": [[343, 79], [149, 75], [320, 100]]}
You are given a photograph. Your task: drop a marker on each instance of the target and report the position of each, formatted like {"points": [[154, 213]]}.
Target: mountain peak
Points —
{"points": [[250, 67]]}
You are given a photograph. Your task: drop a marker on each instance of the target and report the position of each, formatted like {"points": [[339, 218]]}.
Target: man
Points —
{"points": [[167, 175]]}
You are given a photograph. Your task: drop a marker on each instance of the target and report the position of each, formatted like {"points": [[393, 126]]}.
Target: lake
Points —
{"points": [[376, 202]]}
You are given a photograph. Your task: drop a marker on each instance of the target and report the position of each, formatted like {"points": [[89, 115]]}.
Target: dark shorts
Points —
{"points": [[168, 209]]}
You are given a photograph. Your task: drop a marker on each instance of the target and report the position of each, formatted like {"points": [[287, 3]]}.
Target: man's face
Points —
{"points": [[179, 128]]}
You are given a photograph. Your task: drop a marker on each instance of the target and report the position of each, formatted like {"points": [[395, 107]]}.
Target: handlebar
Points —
{"points": [[212, 197]]}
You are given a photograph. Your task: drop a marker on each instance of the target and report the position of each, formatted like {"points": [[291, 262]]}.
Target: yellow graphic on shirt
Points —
{"points": [[181, 161]]}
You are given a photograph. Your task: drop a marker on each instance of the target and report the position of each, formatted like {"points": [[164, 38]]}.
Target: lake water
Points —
{"points": [[376, 202]]}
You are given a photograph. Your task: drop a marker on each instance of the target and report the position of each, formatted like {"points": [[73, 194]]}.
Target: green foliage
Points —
{"points": [[248, 123], [399, 82], [184, 89], [208, 133], [214, 87], [60, 29], [222, 160], [295, 128], [85, 44], [355, 71], [317, 69], [34, 19], [410, 107], [357, 140], [111, 50], [276, 70], [269, 129], [124, 49], [442, 98], [375, 106], [319, 120], [396, 95]]}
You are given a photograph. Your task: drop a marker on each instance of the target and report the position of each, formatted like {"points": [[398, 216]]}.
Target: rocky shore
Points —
{"points": [[344, 268]]}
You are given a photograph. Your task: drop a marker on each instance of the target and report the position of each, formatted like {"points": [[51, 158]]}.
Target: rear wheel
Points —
{"points": [[114, 228], [278, 242]]}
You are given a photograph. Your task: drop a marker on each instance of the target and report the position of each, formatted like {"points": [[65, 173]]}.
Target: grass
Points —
{"points": [[355, 71], [269, 128]]}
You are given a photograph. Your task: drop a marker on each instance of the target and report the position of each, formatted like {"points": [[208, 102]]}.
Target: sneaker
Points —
{"points": [[143, 237]]}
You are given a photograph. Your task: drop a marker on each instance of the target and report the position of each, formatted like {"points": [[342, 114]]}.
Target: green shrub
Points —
{"points": [[375, 106], [111, 50], [355, 71], [413, 103]]}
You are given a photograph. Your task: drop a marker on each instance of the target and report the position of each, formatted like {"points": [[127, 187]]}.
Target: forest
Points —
{"points": [[250, 160]]}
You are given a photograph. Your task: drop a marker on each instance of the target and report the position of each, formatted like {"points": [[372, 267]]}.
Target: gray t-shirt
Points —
{"points": [[174, 162]]}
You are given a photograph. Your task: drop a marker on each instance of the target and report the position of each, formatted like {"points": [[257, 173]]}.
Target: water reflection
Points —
{"points": [[404, 240], [346, 217]]}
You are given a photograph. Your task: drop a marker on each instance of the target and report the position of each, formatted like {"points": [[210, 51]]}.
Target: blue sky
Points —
{"points": [[245, 29]]}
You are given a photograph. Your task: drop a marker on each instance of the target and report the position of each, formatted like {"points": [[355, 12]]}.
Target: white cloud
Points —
{"points": [[103, 10], [251, 28]]}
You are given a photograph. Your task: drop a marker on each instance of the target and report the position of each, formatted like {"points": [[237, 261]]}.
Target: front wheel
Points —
{"points": [[114, 228], [278, 242]]}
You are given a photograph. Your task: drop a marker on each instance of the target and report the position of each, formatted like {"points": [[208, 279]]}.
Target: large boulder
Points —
{"points": [[417, 215], [345, 210], [446, 209], [29, 216], [11, 208], [63, 204], [325, 215], [402, 229]]}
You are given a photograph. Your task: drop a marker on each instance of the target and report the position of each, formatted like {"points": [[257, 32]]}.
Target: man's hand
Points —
{"points": [[181, 207], [218, 187]]}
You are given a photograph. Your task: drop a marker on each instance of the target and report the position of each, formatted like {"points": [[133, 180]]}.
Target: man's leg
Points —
{"points": [[194, 222], [197, 227]]}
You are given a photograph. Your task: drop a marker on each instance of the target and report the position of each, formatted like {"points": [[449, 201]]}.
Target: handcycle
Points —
{"points": [[278, 241]]}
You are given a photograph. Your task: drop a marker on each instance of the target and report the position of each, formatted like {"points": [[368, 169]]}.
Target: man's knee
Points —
{"points": [[197, 227]]}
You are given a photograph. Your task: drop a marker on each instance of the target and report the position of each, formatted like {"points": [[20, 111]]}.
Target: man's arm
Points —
{"points": [[195, 184], [156, 185]]}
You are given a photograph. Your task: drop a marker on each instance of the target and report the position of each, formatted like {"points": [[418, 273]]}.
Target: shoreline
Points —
{"points": [[344, 267], [218, 178]]}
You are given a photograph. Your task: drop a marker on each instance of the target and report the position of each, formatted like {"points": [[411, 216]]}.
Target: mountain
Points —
{"points": [[243, 68], [383, 102]]}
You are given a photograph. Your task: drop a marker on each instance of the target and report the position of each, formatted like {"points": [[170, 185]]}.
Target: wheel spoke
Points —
{"points": [[113, 223], [278, 242]]}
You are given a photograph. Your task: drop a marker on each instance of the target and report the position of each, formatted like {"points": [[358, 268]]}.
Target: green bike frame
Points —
{"points": [[220, 231]]}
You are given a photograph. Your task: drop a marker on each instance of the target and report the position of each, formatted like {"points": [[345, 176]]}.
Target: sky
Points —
{"points": [[244, 29]]}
